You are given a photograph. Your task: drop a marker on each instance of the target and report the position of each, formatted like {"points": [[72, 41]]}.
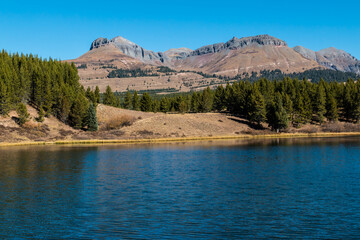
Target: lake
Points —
{"points": [[278, 188]]}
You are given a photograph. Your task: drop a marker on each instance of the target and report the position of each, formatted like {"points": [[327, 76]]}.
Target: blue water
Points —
{"points": [[297, 189]]}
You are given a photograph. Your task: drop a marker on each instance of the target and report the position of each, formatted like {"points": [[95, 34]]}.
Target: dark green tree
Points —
{"points": [[127, 100], [41, 116], [277, 116], [91, 119], [5, 104], [136, 101], [164, 105], [256, 111], [206, 100], [146, 103], [97, 95], [23, 115], [109, 97], [195, 102], [331, 108], [219, 98], [320, 103], [78, 112]]}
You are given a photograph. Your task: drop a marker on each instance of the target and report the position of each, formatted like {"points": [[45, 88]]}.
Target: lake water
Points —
{"points": [[305, 188]]}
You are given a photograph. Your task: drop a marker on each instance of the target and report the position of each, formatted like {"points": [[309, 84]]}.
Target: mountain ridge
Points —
{"points": [[233, 57]]}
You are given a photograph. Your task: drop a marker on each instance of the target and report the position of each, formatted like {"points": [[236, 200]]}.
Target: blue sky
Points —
{"points": [[65, 29]]}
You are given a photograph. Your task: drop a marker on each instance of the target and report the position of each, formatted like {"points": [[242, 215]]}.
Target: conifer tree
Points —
{"points": [[146, 103], [135, 101], [97, 95], [91, 119], [23, 115], [155, 106], [277, 116], [90, 95], [109, 97], [195, 102], [183, 107], [78, 112], [4, 100], [256, 112], [219, 98], [288, 105], [206, 100], [331, 108], [41, 116], [127, 100], [320, 103], [164, 105]]}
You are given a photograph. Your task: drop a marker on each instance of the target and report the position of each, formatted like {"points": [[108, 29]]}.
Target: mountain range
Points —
{"points": [[236, 56]]}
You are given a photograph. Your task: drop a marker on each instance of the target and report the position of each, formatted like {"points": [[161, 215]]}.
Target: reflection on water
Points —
{"points": [[293, 188]]}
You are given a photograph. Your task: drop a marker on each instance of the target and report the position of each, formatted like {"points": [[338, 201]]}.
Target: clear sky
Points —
{"points": [[65, 29]]}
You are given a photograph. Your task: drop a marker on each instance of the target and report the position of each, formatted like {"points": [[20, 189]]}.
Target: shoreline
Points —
{"points": [[179, 139]]}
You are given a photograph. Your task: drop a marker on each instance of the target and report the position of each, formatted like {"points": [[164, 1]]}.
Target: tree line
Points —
{"points": [[279, 103], [51, 86]]}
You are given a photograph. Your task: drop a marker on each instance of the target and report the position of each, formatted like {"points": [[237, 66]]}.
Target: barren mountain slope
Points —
{"points": [[98, 61], [248, 59]]}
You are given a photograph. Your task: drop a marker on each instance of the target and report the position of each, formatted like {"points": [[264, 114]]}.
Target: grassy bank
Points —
{"points": [[182, 139]]}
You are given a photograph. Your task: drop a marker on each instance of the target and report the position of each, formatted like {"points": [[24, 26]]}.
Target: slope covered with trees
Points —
{"points": [[278, 103], [50, 86]]}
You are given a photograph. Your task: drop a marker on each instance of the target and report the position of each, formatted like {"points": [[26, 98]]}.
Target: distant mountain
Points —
{"points": [[249, 54], [234, 57], [332, 58]]}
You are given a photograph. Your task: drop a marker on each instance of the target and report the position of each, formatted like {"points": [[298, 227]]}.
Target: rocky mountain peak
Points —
{"points": [[238, 43], [99, 42], [122, 40], [265, 39]]}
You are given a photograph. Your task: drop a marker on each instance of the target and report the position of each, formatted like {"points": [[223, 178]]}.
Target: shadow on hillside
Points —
{"points": [[246, 122], [15, 119]]}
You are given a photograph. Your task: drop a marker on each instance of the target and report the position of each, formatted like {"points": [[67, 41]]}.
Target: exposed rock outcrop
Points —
{"points": [[332, 58], [131, 49], [236, 43]]}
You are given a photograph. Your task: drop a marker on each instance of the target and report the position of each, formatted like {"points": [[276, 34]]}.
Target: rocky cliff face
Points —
{"points": [[332, 58], [236, 43], [131, 49]]}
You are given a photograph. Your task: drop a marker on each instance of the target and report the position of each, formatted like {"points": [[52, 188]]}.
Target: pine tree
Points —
{"points": [[109, 97], [277, 116], [320, 103], [97, 95], [288, 105], [155, 106], [90, 95], [78, 112], [164, 105], [23, 115], [4, 100], [41, 116], [219, 98], [91, 119], [117, 101], [331, 108], [194, 102], [135, 101], [256, 107], [146, 103], [127, 100], [206, 100], [183, 107]]}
